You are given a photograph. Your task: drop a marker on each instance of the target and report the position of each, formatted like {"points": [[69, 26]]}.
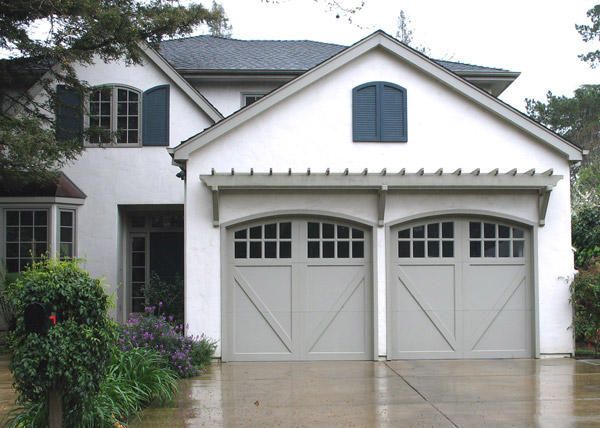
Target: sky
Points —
{"points": [[534, 37]]}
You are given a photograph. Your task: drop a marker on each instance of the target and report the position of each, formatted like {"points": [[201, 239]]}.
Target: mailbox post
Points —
{"points": [[38, 320]]}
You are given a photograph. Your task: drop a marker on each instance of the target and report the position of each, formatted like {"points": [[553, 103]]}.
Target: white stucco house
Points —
{"points": [[321, 201]]}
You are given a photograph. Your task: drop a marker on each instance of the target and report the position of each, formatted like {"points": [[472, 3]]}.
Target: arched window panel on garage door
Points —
{"points": [[493, 240], [264, 241], [334, 241], [430, 240]]}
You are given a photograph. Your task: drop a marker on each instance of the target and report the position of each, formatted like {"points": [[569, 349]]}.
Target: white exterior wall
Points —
{"points": [[226, 96], [114, 176], [313, 129]]}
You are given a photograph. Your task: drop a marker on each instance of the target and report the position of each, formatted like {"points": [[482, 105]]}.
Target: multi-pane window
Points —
{"points": [[100, 115], [427, 240], [495, 240], [26, 233], [138, 273], [114, 116], [265, 241], [66, 234], [328, 241]]}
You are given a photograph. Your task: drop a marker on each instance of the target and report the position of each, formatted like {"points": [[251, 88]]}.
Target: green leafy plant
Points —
{"points": [[203, 351], [7, 309], [585, 298], [75, 354], [586, 234], [134, 379], [166, 294], [184, 354]]}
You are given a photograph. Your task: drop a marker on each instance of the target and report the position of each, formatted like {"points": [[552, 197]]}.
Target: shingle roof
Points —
{"points": [[60, 186], [216, 53]]}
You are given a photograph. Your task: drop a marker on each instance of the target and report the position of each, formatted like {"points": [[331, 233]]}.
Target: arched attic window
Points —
{"points": [[379, 113]]}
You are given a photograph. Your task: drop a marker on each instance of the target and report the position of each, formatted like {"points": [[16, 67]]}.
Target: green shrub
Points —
{"points": [[184, 354], [585, 298], [166, 294], [134, 379], [586, 234], [75, 353], [203, 350], [7, 309]]}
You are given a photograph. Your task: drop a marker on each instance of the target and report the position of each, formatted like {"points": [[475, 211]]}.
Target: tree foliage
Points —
{"points": [[591, 32], [219, 27], [576, 118], [404, 33], [48, 38]]}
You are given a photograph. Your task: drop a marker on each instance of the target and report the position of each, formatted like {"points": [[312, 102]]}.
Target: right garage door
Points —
{"points": [[460, 288]]}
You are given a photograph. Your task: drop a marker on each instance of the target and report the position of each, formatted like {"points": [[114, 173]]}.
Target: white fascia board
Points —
{"points": [[33, 200], [183, 84], [380, 39]]}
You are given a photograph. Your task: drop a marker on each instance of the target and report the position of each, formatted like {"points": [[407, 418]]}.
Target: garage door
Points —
{"points": [[460, 288], [298, 289]]}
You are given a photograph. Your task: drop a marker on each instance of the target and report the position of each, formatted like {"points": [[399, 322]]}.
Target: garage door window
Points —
{"points": [[329, 241], [495, 240], [265, 241], [427, 240]]}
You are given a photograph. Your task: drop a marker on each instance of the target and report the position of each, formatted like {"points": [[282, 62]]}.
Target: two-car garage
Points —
{"points": [[302, 288]]}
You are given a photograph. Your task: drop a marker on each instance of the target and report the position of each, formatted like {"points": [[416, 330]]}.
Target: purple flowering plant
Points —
{"points": [[154, 330]]}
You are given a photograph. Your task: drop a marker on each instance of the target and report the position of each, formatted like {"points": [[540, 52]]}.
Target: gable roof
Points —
{"points": [[380, 39], [209, 53]]}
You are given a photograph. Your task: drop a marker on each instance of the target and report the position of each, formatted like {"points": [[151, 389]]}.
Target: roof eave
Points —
{"points": [[210, 110]]}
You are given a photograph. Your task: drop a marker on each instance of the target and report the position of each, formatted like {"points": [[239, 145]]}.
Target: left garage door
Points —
{"points": [[298, 289]]}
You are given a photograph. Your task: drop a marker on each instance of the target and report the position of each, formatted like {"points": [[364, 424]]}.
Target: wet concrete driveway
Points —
{"points": [[502, 393]]}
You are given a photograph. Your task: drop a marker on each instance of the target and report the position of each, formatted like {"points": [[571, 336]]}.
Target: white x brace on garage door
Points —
{"points": [[460, 288], [298, 289]]}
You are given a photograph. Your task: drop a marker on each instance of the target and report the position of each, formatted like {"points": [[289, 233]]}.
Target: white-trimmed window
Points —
{"points": [[66, 234], [114, 112], [26, 234], [251, 98]]}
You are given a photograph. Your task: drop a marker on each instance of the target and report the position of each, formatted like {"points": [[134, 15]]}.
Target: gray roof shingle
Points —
{"points": [[215, 53]]}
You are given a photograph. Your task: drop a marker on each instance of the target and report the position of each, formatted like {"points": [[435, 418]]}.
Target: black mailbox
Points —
{"points": [[36, 318]]}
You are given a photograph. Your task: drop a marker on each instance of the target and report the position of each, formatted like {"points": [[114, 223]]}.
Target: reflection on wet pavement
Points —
{"points": [[476, 393]]}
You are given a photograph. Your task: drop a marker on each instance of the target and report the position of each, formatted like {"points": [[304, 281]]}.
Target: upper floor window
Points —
{"points": [[248, 99], [379, 113], [115, 113]]}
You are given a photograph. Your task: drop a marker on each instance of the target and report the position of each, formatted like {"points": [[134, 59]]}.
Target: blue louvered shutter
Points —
{"points": [[69, 113], [364, 113], [155, 116], [393, 112]]}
